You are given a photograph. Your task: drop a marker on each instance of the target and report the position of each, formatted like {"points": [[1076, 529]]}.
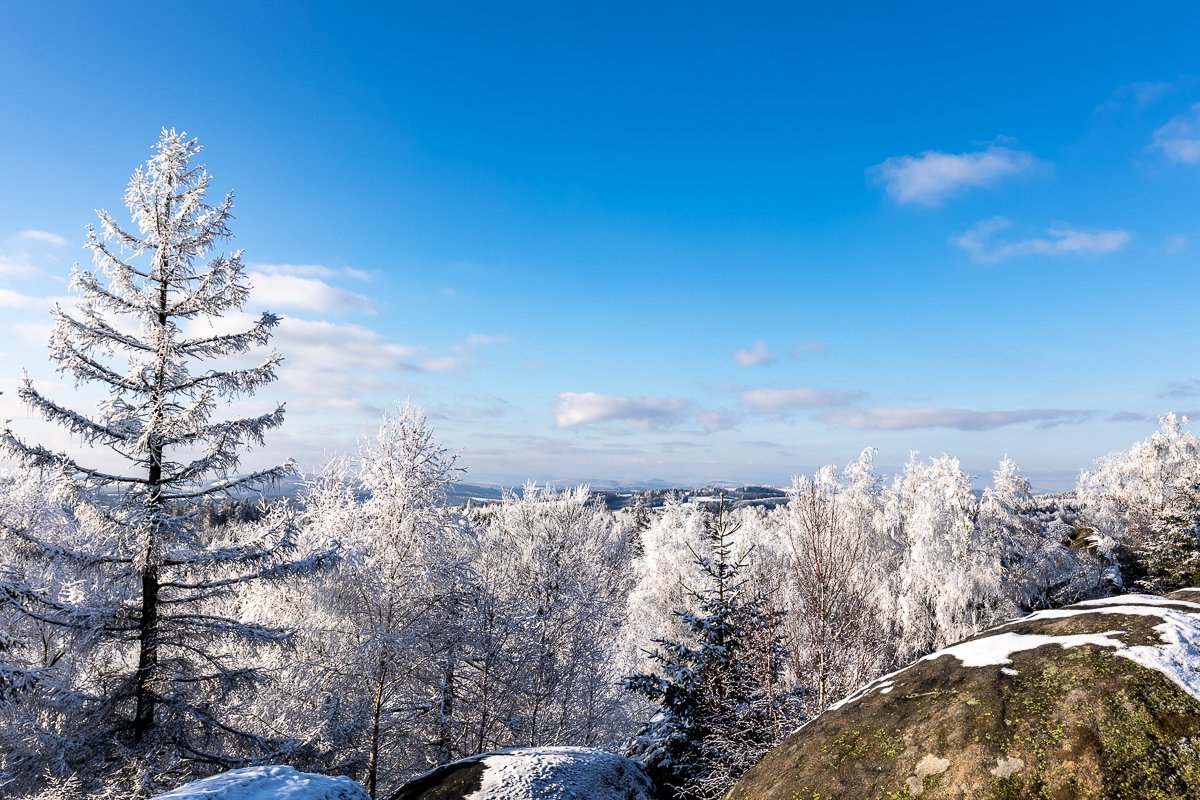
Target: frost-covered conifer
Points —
{"points": [[720, 693], [171, 658]]}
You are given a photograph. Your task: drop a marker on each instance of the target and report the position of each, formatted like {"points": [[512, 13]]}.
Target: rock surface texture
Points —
{"points": [[1097, 700], [268, 783], [533, 773]]}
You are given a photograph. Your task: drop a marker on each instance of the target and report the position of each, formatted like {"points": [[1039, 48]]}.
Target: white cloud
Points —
{"points": [[309, 271], [899, 419], [283, 291], [930, 177], [44, 237], [347, 347], [1175, 243], [572, 409], [755, 356], [347, 369], [775, 401], [24, 302], [1179, 139], [1060, 240]]}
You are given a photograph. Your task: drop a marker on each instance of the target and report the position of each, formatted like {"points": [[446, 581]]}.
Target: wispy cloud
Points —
{"points": [[1139, 95], [777, 401], [1188, 388], [309, 270], [43, 237], [1060, 240], [899, 419], [573, 409], [282, 290], [755, 356], [472, 408], [1179, 139], [481, 340], [712, 421], [808, 346], [346, 347], [16, 265], [1129, 416], [16, 301], [929, 178]]}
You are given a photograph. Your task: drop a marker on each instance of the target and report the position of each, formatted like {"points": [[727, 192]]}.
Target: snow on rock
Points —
{"points": [[1177, 656], [554, 772], [998, 649], [535, 773], [268, 783]]}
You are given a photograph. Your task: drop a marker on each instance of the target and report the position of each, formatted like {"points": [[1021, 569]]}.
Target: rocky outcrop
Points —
{"points": [[533, 773], [1097, 700]]}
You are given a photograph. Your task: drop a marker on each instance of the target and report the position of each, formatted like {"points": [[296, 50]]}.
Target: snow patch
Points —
{"points": [[1178, 657], [882, 684], [1129, 610], [268, 783], [998, 649], [561, 773], [1140, 599]]}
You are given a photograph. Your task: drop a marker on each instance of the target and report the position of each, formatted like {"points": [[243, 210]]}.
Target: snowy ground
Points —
{"points": [[268, 783]]}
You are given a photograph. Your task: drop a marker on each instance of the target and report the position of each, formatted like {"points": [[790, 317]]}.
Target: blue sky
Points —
{"points": [[682, 241]]}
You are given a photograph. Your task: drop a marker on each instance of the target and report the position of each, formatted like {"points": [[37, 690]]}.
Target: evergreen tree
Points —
{"points": [[169, 656], [721, 702]]}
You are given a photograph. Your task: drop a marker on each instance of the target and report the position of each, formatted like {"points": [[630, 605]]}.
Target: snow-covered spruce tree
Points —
{"points": [[171, 660], [721, 700]]}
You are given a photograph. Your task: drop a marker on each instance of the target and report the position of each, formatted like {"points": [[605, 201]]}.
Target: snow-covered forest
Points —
{"points": [[372, 629]]}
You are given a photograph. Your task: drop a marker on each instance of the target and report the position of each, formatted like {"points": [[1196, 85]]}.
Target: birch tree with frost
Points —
{"points": [[382, 634], [176, 654], [1143, 507]]}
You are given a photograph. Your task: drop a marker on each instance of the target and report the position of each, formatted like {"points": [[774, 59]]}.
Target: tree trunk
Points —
{"points": [[376, 724], [147, 669], [143, 720]]}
